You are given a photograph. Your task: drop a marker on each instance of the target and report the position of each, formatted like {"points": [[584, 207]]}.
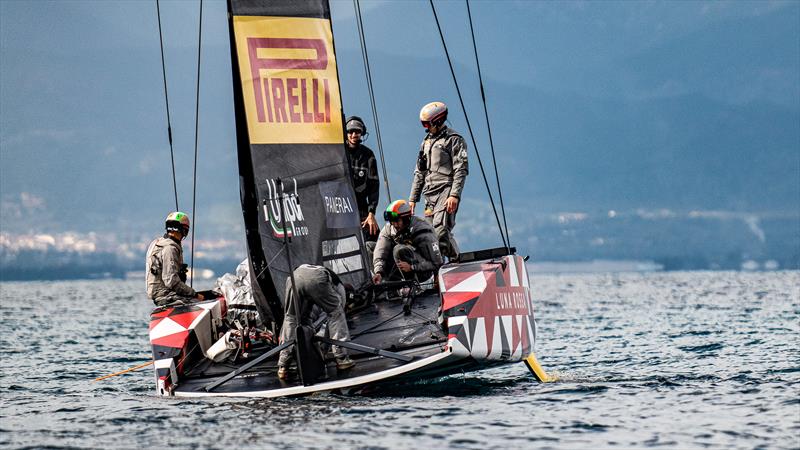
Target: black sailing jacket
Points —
{"points": [[364, 170]]}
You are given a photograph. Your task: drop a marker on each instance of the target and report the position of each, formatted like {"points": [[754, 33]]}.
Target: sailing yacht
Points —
{"points": [[292, 165]]}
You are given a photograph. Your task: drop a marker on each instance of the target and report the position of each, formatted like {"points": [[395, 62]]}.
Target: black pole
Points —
{"points": [[211, 386], [295, 298], [469, 127], [196, 134], [166, 100]]}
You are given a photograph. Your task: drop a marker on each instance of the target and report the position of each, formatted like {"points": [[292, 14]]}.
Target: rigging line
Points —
{"points": [[469, 127], [488, 127], [166, 99], [374, 327], [196, 132], [430, 322], [414, 325], [365, 56]]}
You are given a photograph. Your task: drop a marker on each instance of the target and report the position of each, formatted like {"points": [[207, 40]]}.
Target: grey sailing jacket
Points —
{"points": [[442, 163], [420, 235], [163, 269]]}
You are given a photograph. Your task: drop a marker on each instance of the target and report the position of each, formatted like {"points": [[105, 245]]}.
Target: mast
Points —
{"points": [[289, 126]]}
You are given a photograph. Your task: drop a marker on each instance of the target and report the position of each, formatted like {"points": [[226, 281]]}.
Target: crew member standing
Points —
{"points": [[364, 172], [440, 174], [164, 268]]}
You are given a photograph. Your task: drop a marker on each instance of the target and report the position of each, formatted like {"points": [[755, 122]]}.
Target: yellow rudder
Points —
{"points": [[536, 370]]}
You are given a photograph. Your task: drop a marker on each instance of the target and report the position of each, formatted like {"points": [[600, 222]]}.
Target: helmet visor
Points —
{"points": [[391, 216]]}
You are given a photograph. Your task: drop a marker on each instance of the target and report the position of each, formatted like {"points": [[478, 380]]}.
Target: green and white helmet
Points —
{"points": [[178, 221], [397, 210]]}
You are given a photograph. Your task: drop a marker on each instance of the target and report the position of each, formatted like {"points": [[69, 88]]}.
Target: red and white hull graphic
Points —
{"points": [[180, 335], [488, 309]]}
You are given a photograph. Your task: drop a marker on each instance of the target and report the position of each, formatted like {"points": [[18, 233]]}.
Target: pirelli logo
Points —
{"points": [[289, 82]]}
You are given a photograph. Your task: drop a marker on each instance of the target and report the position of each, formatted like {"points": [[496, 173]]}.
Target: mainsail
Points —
{"points": [[294, 176]]}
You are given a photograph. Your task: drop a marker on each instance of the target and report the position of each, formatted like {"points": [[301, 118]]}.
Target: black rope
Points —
{"points": [[374, 327], [469, 127], [488, 127], [365, 56], [196, 132], [166, 99]]}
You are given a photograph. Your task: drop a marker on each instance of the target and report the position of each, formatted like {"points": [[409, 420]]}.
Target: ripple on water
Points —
{"points": [[702, 348]]}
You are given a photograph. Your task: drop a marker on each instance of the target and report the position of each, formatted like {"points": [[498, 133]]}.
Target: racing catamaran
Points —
{"points": [[299, 207]]}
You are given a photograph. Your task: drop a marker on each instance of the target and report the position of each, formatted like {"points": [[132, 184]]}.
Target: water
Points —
{"points": [[679, 360]]}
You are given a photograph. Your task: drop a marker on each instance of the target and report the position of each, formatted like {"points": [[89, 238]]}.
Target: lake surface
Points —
{"points": [[676, 360]]}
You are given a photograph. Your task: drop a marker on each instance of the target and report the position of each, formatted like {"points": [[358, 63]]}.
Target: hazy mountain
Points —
{"points": [[594, 107]]}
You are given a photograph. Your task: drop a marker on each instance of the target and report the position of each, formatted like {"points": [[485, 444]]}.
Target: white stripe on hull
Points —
{"points": [[332, 385]]}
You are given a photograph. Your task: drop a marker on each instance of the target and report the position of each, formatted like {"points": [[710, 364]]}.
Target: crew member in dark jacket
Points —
{"points": [[364, 170], [406, 243]]}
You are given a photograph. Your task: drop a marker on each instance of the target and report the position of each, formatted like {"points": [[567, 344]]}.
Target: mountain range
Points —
{"points": [[608, 113]]}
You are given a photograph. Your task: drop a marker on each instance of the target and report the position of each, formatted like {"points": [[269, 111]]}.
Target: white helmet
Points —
{"points": [[433, 113], [177, 221]]}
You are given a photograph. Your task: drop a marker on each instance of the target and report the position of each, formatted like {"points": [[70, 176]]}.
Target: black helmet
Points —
{"points": [[355, 123]]}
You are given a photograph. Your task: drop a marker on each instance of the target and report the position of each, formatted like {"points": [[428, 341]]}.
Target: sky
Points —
{"points": [[83, 144]]}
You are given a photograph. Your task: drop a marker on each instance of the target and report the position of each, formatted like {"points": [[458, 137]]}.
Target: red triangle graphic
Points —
{"points": [[451, 299], [490, 274], [162, 314], [451, 279], [186, 319], [177, 340]]}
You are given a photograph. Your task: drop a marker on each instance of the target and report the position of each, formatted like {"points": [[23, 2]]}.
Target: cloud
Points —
{"points": [[21, 206], [146, 165], [64, 242], [753, 224], [25, 212], [87, 244], [31, 201], [39, 136]]}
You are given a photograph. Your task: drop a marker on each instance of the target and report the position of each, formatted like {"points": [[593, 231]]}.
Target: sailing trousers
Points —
{"points": [[442, 221], [408, 253], [173, 299], [314, 287]]}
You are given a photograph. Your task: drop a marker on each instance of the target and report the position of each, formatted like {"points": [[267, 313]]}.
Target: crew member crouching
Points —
{"points": [[316, 285], [406, 243]]}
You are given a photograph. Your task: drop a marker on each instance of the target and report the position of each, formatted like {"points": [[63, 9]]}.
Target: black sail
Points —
{"points": [[294, 177]]}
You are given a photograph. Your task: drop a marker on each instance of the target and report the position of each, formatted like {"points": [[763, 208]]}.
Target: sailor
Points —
{"points": [[164, 267], [407, 243], [440, 175], [364, 172], [316, 285]]}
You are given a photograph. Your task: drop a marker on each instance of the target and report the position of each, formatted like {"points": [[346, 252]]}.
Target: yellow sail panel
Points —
{"points": [[289, 80]]}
